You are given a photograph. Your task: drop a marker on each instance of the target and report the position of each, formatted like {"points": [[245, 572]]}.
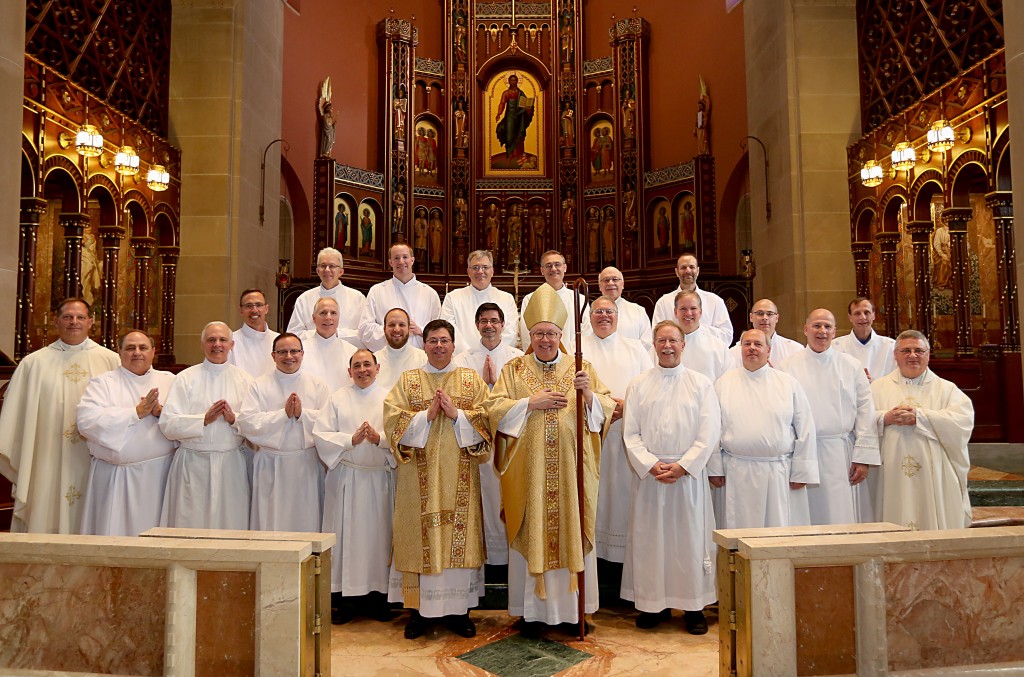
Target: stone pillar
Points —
{"points": [[225, 109], [861, 265], [956, 219], [1013, 27], [887, 243], [803, 103], [74, 224], [32, 208], [168, 282], [12, 95], [143, 257], [1001, 204], [920, 234], [110, 238]]}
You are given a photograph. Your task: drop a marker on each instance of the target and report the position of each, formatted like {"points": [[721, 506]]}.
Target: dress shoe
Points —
{"points": [[695, 622], [530, 629], [461, 625], [341, 615], [377, 607], [573, 629], [416, 626], [649, 619]]}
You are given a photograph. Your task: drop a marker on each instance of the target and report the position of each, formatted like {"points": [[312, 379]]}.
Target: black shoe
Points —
{"points": [[416, 626], [573, 629], [695, 622], [530, 629], [341, 615], [461, 625], [649, 619], [377, 607]]}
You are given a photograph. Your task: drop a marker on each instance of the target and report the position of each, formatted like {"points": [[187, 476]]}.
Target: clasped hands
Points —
{"points": [[551, 399], [150, 404], [365, 432], [442, 402], [902, 414], [667, 473], [219, 409]]}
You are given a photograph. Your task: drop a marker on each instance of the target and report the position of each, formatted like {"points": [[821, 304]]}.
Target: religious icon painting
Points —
{"points": [[686, 222], [514, 105], [602, 153], [367, 229], [661, 225], [340, 224], [435, 239], [426, 148]]}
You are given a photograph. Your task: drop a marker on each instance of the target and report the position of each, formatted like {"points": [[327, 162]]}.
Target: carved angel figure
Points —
{"points": [[326, 112]]}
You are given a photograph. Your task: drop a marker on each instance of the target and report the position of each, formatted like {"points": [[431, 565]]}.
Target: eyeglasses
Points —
{"points": [[487, 320], [765, 313], [438, 341], [477, 269], [667, 341], [252, 306], [554, 265], [605, 311], [546, 335], [613, 280], [918, 352], [288, 353], [328, 266]]}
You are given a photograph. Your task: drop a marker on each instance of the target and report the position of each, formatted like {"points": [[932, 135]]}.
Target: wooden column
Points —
{"points": [[956, 219], [921, 234], [74, 224], [398, 39], [1001, 204], [32, 209], [861, 265], [110, 238], [168, 280], [887, 243], [143, 258]]}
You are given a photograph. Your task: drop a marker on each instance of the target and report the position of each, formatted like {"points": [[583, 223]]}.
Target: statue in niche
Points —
{"points": [[399, 106], [629, 202], [461, 138], [702, 131], [593, 235], [491, 227], [461, 208], [460, 40], [436, 229], [566, 39], [608, 238], [537, 226], [419, 150], [569, 214], [942, 263], [419, 234], [398, 209], [568, 129], [326, 111], [628, 117], [514, 227]]}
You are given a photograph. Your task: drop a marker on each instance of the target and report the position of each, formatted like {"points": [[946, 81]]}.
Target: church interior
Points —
{"points": [[172, 153]]}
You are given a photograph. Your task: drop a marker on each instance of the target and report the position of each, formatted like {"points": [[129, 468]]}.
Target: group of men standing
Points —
{"points": [[431, 445]]}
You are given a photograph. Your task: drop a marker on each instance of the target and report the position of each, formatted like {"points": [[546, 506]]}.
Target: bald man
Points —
{"points": [[765, 316], [633, 321]]}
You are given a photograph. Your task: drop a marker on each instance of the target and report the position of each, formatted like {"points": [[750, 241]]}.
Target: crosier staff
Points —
{"points": [[580, 287]]}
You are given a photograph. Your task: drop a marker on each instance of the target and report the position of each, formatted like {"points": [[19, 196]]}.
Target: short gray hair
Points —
{"points": [[479, 254], [609, 299], [913, 335], [202, 336], [331, 251]]}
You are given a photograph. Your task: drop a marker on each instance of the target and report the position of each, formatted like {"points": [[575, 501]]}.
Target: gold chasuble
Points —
{"points": [[538, 469], [438, 521]]}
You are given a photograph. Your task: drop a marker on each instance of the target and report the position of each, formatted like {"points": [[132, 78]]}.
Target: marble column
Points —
{"points": [[920, 235], [1001, 204], [32, 209], [110, 238], [862, 268], [168, 283], [887, 243], [74, 224], [956, 219], [143, 258]]}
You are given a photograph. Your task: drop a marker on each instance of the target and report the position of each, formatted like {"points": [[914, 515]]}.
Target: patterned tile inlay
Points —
{"points": [[516, 656]]}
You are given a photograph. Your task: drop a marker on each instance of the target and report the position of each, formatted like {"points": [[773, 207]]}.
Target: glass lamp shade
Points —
{"points": [[871, 174], [89, 141], [903, 157], [126, 161], [940, 136], [158, 179]]}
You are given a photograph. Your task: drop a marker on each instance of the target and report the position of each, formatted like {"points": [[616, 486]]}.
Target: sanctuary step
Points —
{"points": [[996, 478]]}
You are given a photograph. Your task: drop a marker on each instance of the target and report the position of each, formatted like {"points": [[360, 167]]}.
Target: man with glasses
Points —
{"points": [[552, 265], [330, 267], [716, 315], [632, 318], [460, 305], [925, 423], [254, 339], [438, 432], [404, 291], [872, 350], [278, 415], [764, 316], [326, 354], [532, 411]]}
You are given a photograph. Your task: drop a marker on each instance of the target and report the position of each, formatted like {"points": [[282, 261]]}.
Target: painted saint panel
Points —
{"points": [[514, 103]]}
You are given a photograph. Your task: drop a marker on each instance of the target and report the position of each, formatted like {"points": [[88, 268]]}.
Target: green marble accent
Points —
{"points": [[996, 493], [516, 656]]}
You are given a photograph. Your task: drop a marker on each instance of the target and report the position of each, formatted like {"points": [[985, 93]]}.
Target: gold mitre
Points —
{"points": [[545, 306]]}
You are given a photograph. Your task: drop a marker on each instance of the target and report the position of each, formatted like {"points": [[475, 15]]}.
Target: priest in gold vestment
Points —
{"points": [[532, 410], [435, 424]]}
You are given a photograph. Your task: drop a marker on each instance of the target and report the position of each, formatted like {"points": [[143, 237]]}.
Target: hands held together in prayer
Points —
{"points": [[293, 406], [219, 409], [490, 374], [149, 405], [442, 402], [365, 432]]}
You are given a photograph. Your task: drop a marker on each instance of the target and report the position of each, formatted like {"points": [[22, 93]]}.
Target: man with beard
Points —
{"points": [[330, 267], [254, 340], [438, 433], [278, 415], [403, 291], [460, 305], [208, 484], [359, 497], [671, 431], [399, 354], [325, 351], [716, 315], [552, 265], [765, 316], [118, 416], [632, 318]]}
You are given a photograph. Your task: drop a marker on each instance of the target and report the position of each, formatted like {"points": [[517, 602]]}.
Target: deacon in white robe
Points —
{"points": [[705, 353], [633, 320], [254, 339], [403, 291], [844, 422], [768, 453], [208, 484], [118, 416], [671, 428], [278, 415], [330, 268], [460, 305], [325, 354], [41, 450], [399, 355], [925, 423], [359, 498], [765, 316], [716, 315], [874, 351], [552, 265], [617, 360], [487, 357]]}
